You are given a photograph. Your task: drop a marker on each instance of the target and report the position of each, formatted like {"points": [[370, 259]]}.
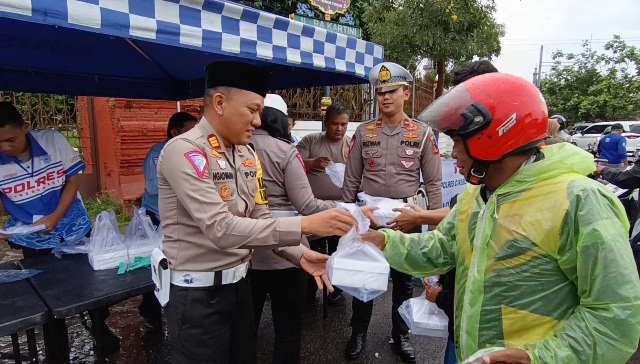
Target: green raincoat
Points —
{"points": [[545, 265]]}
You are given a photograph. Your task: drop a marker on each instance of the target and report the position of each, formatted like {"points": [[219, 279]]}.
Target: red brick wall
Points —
{"points": [[85, 134], [194, 107], [126, 130]]}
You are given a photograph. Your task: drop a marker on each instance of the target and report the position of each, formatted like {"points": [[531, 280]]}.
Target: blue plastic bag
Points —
{"points": [[13, 275]]}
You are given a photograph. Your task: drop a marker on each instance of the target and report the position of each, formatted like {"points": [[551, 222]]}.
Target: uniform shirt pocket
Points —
{"points": [[408, 159], [374, 159], [249, 177], [252, 177]]}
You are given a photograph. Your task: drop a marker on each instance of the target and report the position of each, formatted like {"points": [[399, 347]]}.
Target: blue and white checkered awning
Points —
{"points": [[157, 49]]}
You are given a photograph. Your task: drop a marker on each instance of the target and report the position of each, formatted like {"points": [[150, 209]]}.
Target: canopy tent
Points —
{"points": [[157, 49]]}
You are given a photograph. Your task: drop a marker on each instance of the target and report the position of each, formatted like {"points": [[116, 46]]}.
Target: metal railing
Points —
{"points": [[48, 111], [305, 104]]}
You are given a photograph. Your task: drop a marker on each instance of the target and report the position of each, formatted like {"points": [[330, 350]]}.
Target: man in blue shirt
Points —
{"points": [[179, 123], [613, 148], [39, 181]]}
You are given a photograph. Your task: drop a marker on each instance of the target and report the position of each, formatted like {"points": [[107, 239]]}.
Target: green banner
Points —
{"points": [[332, 26]]}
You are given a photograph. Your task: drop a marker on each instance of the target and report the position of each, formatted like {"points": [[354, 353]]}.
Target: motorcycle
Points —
{"points": [[593, 149], [625, 196]]}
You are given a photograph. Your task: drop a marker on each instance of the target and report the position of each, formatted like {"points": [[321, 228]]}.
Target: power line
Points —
{"points": [[566, 40], [518, 52], [568, 43]]}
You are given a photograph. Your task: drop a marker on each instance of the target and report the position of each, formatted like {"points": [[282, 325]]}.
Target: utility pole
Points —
{"points": [[540, 66]]}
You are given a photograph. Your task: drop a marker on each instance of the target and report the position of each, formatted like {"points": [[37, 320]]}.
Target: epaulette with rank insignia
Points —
{"points": [[410, 126], [373, 124]]}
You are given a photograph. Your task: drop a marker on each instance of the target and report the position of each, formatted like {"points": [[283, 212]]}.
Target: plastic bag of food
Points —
{"points": [[106, 246], [358, 268], [424, 317], [72, 246], [141, 236], [385, 206], [336, 173]]}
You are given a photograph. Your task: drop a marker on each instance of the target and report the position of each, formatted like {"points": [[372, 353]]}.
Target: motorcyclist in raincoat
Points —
{"points": [[562, 134], [544, 266]]}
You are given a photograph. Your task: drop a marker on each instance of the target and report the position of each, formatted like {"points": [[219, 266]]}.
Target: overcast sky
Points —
{"points": [[560, 24]]}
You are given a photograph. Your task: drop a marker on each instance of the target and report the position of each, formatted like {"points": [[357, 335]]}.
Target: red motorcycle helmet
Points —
{"points": [[494, 114]]}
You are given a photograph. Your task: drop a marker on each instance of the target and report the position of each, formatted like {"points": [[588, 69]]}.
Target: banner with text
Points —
{"points": [[332, 6], [452, 182]]}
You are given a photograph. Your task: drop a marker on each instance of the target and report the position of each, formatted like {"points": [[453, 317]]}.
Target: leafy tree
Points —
{"points": [[444, 31], [357, 9], [595, 85]]}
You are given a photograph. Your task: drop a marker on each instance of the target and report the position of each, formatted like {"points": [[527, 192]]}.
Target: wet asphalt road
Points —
{"points": [[323, 340]]}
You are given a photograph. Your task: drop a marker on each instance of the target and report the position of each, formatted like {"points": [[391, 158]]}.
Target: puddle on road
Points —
{"points": [[124, 321]]}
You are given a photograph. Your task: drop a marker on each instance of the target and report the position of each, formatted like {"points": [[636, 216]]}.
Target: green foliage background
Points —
{"points": [[595, 86]]}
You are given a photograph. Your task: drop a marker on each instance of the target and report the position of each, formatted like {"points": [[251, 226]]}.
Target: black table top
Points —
{"points": [[70, 285], [20, 306]]}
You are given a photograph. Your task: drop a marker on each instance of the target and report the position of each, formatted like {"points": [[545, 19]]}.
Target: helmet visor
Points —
{"points": [[445, 114]]}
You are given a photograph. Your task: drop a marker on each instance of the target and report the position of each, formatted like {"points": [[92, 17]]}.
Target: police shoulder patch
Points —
{"points": [[434, 144], [301, 161], [198, 161], [352, 142]]}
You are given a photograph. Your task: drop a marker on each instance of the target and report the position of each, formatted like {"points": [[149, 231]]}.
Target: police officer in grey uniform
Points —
{"points": [[317, 150], [213, 208], [289, 195], [331, 145], [387, 156]]}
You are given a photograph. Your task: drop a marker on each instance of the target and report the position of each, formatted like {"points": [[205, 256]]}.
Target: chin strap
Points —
{"points": [[478, 172]]}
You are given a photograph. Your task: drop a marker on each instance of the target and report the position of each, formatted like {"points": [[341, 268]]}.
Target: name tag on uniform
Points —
{"points": [[161, 276]]}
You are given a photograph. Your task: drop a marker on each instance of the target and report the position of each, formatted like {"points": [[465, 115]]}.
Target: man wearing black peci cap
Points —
{"points": [[213, 208]]}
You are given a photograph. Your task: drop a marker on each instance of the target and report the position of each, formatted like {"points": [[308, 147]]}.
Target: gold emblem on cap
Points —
{"points": [[384, 75]]}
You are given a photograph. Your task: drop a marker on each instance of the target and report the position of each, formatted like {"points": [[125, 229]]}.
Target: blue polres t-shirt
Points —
{"points": [[613, 148], [33, 188]]}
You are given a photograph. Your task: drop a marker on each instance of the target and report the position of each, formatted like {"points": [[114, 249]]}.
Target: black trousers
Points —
{"points": [[154, 219], [212, 324], [286, 287]]}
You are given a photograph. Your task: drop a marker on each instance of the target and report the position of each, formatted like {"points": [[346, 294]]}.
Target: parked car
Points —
{"points": [[589, 137]]}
